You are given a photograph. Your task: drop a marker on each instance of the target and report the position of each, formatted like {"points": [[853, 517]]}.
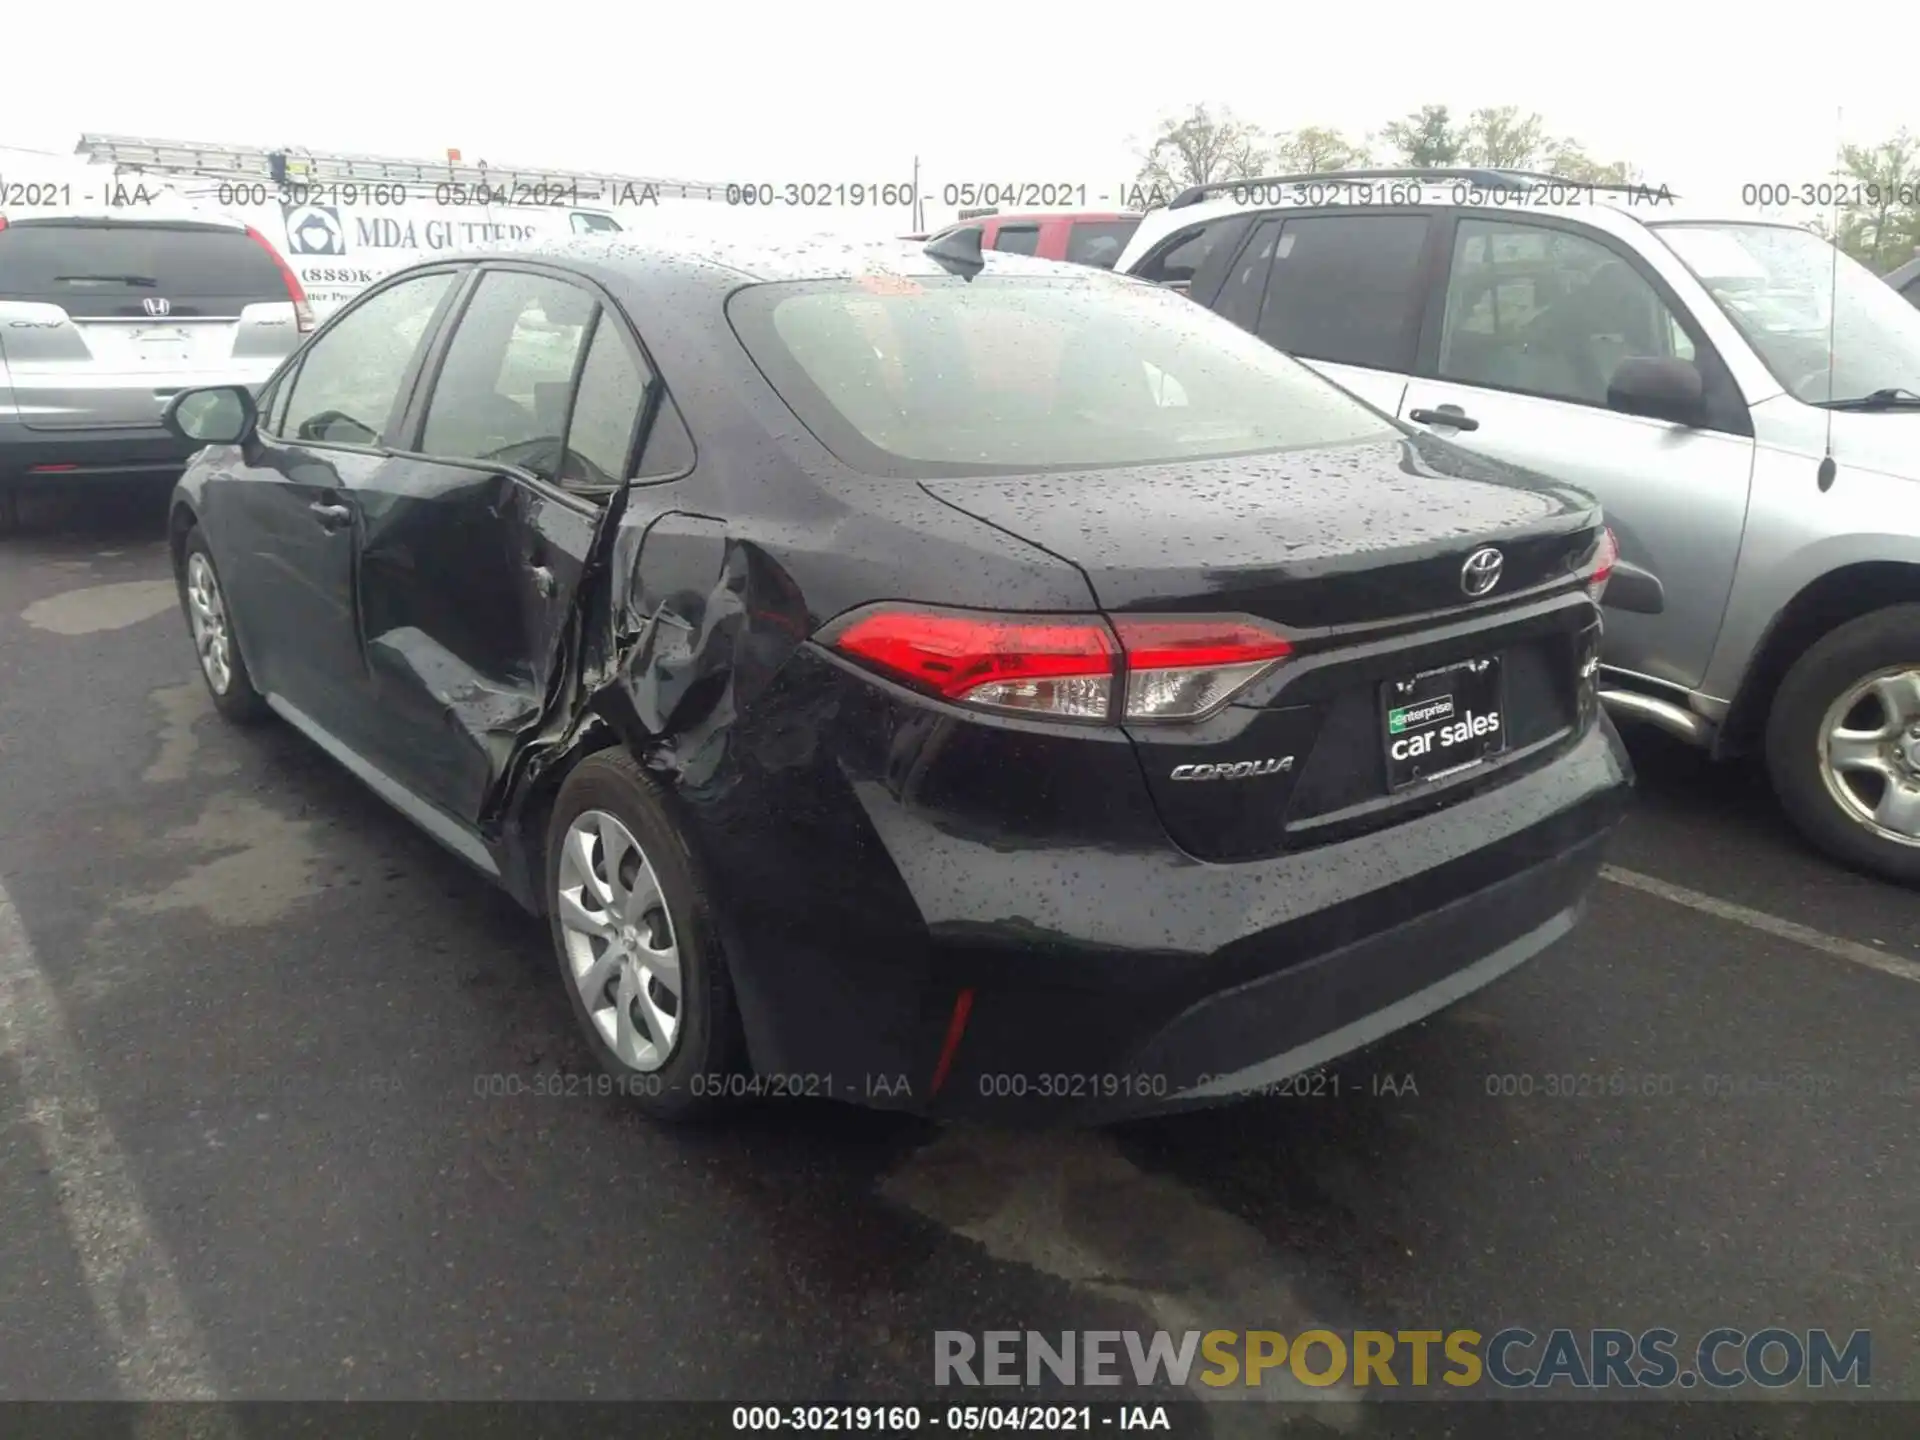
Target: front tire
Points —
{"points": [[210, 623], [637, 949], [1843, 743]]}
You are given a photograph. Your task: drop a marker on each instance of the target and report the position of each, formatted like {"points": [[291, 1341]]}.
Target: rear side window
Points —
{"points": [[1099, 242], [612, 390], [1018, 239], [1348, 288], [502, 392], [1007, 374], [111, 268]]}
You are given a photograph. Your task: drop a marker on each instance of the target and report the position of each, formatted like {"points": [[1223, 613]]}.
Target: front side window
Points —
{"points": [[348, 386], [1822, 323], [1548, 312], [1004, 374], [1099, 242], [503, 391], [1246, 284], [1175, 263]]}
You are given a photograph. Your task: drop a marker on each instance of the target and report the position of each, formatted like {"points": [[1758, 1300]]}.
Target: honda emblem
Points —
{"points": [[157, 307]]}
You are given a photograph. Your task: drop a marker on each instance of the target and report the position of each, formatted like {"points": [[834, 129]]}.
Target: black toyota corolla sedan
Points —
{"points": [[967, 685]]}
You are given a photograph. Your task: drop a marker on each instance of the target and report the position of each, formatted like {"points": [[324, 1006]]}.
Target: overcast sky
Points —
{"points": [[1703, 98]]}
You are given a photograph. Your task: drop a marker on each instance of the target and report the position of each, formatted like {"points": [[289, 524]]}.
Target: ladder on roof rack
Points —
{"points": [[293, 165]]}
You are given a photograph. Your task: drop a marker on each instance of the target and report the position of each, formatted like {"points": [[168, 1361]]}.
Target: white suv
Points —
{"points": [[106, 315], [1744, 401]]}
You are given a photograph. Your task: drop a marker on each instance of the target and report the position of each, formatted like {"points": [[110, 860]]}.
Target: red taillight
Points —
{"points": [[1052, 665], [3, 222], [296, 292], [1604, 556], [1067, 667]]}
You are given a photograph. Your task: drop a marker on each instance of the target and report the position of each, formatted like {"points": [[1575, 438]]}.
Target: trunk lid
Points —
{"points": [[1404, 693], [1316, 539]]}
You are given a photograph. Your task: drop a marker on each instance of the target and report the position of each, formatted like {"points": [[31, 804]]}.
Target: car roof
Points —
{"points": [[732, 261], [1616, 211], [163, 210]]}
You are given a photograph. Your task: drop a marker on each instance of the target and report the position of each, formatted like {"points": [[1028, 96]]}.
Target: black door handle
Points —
{"points": [[1451, 415], [331, 517]]}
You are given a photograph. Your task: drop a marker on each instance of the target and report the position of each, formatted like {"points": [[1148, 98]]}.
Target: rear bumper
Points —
{"points": [[889, 947], [92, 454]]}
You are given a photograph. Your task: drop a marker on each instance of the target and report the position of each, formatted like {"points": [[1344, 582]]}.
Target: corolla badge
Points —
{"points": [[1482, 571], [1233, 769]]}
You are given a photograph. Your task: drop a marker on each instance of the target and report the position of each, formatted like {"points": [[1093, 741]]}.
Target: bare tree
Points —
{"points": [[1426, 138], [1201, 148], [1570, 161], [1501, 138], [1314, 148]]}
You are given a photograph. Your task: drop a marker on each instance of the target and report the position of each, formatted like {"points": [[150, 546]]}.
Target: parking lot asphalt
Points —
{"points": [[249, 1145]]}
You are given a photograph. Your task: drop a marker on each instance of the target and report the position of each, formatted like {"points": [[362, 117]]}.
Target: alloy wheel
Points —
{"points": [[207, 614], [619, 939], [1870, 753]]}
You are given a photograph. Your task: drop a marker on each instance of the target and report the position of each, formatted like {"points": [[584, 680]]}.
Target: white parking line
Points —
{"points": [[157, 1348], [1849, 950]]}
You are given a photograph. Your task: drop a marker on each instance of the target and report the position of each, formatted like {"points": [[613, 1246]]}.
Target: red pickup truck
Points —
{"points": [[1081, 237]]}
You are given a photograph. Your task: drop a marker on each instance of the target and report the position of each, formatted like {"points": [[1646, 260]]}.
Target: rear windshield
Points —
{"points": [[924, 377], [1099, 242], [116, 263]]}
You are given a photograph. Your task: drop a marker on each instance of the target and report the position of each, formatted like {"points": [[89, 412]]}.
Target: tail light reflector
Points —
{"points": [[1180, 669], [1066, 667], [1604, 556], [296, 292]]}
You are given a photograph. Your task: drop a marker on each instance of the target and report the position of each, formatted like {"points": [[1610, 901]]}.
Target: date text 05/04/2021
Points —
{"points": [[953, 1419]]}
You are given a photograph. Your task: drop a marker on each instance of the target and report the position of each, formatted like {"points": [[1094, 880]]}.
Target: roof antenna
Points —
{"points": [[1823, 477], [958, 252]]}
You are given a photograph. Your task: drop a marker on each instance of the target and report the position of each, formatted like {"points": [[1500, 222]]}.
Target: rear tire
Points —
{"points": [[635, 942], [1843, 743], [210, 625]]}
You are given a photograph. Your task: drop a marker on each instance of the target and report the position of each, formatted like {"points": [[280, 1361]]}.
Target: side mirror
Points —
{"points": [[1658, 388], [212, 414]]}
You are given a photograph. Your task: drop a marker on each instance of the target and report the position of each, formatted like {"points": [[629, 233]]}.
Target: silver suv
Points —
{"points": [[104, 317], [1744, 401]]}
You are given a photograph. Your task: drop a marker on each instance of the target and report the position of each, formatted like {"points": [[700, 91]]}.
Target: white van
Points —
{"points": [[342, 237]]}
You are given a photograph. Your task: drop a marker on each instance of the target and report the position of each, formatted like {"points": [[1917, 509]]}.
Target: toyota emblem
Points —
{"points": [[1481, 572], [156, 307]]}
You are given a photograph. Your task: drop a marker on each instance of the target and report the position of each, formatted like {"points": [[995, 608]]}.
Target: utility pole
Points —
{"points": [[919, 220]]}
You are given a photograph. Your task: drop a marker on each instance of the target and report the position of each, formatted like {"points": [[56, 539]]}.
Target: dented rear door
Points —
{"points": [[466, 576]]}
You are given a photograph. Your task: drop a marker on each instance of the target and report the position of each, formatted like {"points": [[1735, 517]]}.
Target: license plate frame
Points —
{"points": [[1435, 723]]}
